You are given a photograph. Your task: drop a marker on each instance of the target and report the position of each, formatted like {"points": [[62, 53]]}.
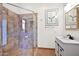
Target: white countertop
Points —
{"points": [[65, 40]]}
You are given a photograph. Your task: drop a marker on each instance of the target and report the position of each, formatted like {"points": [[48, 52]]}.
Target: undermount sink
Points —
{"points": [[67, 40]]}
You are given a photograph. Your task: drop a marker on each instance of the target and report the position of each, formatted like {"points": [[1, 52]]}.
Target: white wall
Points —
{"points": [[46, 36], [69, 6]]}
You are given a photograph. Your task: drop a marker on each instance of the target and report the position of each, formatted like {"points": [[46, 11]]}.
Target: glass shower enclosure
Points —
{"points": [[18, 33]]}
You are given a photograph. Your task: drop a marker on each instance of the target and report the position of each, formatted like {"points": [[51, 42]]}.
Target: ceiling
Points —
{"points": [[23, 8], [38, 1], [67, 6]]}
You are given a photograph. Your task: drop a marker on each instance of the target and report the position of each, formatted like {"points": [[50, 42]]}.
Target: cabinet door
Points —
{"points": [[56, 48], [61, 51]]}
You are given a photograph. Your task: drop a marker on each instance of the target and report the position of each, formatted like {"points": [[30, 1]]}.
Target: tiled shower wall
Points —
{"points": [[13, 28]]}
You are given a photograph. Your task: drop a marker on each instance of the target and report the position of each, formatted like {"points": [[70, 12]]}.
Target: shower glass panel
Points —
{"points": [[18, 33], [26, 39], [0, 29], [4, 30], [0, 33]]}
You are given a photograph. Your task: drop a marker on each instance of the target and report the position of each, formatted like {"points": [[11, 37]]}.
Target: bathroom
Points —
{"points": [[45, 30]]}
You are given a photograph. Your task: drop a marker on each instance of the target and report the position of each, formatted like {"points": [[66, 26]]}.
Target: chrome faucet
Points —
{"points": [[70, 37]]}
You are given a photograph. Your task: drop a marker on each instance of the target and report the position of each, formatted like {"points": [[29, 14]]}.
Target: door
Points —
{"points": [[27, 34]]}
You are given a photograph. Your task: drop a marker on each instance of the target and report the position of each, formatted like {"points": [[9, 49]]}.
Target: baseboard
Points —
{"points": [[45, 48]]}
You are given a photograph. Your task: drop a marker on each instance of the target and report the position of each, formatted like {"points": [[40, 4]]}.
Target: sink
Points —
{"points": [[66, 40]]}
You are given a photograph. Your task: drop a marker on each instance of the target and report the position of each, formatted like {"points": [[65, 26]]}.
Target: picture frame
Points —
{"points": [[51, 16]]}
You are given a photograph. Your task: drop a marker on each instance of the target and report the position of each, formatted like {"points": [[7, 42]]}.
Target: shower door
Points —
{"points": [[27, 34], [11, 48], [3, 29]]}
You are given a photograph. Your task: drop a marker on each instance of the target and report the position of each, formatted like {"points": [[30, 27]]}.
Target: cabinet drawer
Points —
{"points": [[61, 51]]}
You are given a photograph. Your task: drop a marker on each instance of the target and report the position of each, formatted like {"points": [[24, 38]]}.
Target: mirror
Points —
{"points": [[72, 18]]}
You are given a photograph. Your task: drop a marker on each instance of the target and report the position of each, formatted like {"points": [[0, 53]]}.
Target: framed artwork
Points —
{"points": [[51, 17]]}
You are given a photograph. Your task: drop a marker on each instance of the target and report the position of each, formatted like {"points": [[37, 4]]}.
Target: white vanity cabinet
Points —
{"points": [[59, 48], [65, 48]]}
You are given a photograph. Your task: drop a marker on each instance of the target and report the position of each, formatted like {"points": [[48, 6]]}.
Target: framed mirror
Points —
{"points": [[72, 19]]}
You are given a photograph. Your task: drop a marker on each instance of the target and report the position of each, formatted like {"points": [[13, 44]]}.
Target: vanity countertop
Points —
{"points": [[66, 40]]}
